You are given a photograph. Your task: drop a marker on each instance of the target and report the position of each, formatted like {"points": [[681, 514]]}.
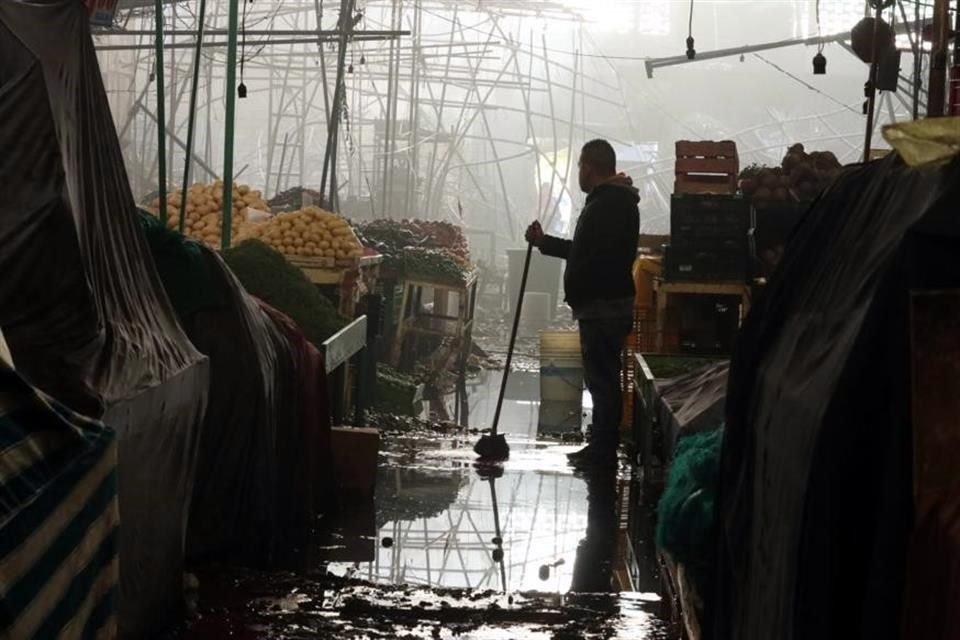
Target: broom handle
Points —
{"points": [[513, 338]]}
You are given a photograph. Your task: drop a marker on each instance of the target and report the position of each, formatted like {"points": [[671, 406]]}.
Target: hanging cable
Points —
{"points": [[242, 88], [819, 60], [691, 51]]}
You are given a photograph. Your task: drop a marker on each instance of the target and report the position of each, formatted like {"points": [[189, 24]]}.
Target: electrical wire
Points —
{"points": [[690, 26], [819, 29], [243, 39], [806, 84]]}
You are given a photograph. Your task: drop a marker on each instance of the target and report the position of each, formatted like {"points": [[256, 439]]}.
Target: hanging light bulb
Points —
{"points": [[743, 58], [350, 68], [241, 90], [691, 51], [819, 64], [363, 59]]}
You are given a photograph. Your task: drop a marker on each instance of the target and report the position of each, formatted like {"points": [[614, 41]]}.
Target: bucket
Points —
{"points": [[561, 367], [535, 315]]}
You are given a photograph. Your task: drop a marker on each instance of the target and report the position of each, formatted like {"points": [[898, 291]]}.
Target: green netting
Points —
{"points": [[182, 269], [267, 275], [685, 516]]}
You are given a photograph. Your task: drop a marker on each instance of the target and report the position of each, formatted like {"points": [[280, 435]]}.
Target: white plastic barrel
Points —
{"points": [[561, 367], [535, 315]]}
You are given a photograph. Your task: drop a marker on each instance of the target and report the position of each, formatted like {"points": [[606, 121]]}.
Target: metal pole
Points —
{"points": [[917, 66], [391, 115], [231, 91], [954, 98], [329, 160], [413, 171], [323, 59], [283, 157], [872, 86], [428, 191], [174, 94], [917, 48], [161, 116], [192, 116], [937, 97]]}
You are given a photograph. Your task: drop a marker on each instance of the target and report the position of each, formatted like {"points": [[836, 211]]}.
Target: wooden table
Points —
{"points": [[666, 289], [413, 319], [351, 281]]}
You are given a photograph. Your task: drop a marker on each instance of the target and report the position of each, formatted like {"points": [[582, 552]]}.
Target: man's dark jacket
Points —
{"points": [[601, 255]]}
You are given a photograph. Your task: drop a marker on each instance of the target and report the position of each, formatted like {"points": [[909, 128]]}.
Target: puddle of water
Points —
{"points": [[542, 510], [444, 551]]}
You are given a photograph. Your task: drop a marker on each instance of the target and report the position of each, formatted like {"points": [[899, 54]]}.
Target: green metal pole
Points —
{"points": [[192, 117], [231, 90], [161, 108]]}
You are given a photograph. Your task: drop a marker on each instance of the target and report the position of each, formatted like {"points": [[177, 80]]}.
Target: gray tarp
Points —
{"points": [[81, 305]]}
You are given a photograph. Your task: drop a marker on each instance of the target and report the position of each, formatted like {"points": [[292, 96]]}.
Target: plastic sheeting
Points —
{"points": [[81, 305], [264, 448], [815, 498], [235, 509], [692, 403], [58, 518]]}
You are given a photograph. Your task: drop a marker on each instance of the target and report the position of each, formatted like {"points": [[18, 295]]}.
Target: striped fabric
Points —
{"points": [[58, 518]]}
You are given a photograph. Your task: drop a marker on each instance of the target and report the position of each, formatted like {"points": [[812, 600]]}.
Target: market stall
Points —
{"points": [[325, 247]]}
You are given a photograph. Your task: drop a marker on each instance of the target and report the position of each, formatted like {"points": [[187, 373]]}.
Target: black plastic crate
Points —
{"points": [[706, 265], [705, 221]]}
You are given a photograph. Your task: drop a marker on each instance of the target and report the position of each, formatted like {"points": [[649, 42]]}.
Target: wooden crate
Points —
{"points": [[706, 167], [355, 452], [312, 263]]}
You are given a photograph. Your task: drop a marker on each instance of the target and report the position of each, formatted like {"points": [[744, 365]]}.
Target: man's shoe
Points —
{"points": [[579, 454], [593, 457]]}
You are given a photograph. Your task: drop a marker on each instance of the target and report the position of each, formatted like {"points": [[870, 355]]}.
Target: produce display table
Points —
{"points": [[351, 282], [665, 289], [415, 321]]}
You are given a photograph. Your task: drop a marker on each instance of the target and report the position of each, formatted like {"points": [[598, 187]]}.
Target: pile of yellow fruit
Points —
{"points": [[204, 210], [308, 233]]}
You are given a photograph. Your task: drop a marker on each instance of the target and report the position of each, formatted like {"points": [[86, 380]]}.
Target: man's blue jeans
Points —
{"points": [[601, 343]]}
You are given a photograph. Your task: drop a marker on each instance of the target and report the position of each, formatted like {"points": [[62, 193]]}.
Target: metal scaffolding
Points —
{"points": [[446, 109]]}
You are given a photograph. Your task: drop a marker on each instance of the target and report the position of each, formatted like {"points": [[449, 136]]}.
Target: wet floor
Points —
{"points": [[447, 549]]}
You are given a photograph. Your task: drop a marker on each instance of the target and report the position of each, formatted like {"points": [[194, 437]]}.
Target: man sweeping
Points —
{"points": [[598, 285]]}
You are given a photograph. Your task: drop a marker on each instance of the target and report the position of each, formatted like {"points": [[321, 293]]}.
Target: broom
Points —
{"points": [[494, 445]]}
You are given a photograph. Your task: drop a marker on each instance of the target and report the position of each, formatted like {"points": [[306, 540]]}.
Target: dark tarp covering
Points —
{"points": [[235, 509], [815, 503], [264, 464], [306, 450], [84, 313], [58, 518]]}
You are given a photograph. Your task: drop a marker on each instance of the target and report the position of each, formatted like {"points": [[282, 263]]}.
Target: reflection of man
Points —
{"points": [[598, 283], [593, 568]]}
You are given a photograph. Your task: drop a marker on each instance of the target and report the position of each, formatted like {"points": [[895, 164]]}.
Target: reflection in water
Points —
{"points": [[436, 527], [593, 571], [443, 522], [474, 403]]}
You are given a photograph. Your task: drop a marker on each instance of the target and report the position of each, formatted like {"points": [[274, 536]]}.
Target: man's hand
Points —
{"points": [[535, 234]]}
